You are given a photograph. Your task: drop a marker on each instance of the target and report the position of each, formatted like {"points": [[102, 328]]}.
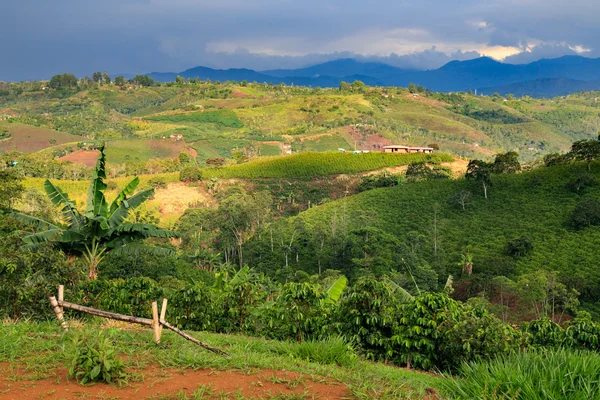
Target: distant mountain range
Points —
{"points": [[543, 78]]}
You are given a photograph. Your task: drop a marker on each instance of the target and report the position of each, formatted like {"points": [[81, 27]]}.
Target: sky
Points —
{"points": [[40, 38]]}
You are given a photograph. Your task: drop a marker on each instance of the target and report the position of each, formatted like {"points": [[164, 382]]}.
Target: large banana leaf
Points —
{"points": [[128, 191], [400, 292], [117, 216], [43, 237], [145, 230], [140, 249], [335, 291], [96, 202], [60, 198], [37, 223]]}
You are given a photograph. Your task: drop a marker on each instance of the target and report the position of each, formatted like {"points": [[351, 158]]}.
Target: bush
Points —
{"points": [[299, 312], [586, 213], [560, 374], [435, 331], [95, 360], [190, 173], [378, 181], [366, 315], [518, 248]]}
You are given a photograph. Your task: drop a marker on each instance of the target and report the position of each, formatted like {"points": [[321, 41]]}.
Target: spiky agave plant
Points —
{"points": [[101, 228]]}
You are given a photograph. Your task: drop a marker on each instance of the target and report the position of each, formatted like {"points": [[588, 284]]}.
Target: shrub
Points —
{"points": [[518, 248], [378, 181], [366, 315], [158, 182], [543, 333], [586, 213], [298, 312], [190, 173], [435, 331], [560, 374], [95, 360]]}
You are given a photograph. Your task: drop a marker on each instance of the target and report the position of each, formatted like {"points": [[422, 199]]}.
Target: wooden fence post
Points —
{"points": [[61, 296], [155, 322], [163, 314], [58, 312]]}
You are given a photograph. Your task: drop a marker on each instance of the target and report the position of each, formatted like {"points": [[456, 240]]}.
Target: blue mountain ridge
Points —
{"points": [[541, 78]]}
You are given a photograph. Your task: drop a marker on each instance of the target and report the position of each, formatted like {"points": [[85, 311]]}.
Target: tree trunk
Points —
{"points": [[485, 190]]}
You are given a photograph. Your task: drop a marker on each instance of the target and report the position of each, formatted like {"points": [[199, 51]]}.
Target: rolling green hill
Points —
{"points": [[218, 118], [427, 223]]}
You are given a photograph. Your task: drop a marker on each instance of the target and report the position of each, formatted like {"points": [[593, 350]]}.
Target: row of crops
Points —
{"points": [[320, 164]]}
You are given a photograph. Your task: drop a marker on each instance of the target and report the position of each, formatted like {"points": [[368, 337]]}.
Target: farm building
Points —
{"points": [[406, 149]]}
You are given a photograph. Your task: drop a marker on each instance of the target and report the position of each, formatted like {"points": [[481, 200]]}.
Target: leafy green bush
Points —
{"points": [[378, 181], [544, 333], [586, 213], [366, 315], [299, 312], [435, 331], [191, 173], [559, 374], [95, 360]]}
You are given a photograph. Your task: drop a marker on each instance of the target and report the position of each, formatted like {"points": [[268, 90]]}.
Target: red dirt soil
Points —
{"points": [[85, 157], [156, 382]]}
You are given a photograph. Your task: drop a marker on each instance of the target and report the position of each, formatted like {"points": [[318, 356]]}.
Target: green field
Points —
{"points": [[141, 150], [319, 164]]}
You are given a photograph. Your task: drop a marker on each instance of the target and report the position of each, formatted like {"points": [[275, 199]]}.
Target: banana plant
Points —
{"points": [[101, 228]]}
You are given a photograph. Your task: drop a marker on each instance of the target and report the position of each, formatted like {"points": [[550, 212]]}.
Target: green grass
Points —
{"points": [[318, 164], [226, 118], [560, 374], [269, 150], [42, 347], [141, 150]]}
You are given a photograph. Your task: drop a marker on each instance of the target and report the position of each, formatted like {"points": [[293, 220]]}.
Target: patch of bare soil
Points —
{"points": [[85, 157], [161, 383]]}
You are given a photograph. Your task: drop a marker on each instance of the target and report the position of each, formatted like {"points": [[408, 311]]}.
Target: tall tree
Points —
{"points": [[480, 171], [101, 228], [507, 163], [585, 150]]}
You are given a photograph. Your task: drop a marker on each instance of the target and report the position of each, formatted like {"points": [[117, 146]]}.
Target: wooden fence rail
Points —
{"points": [[157, 323]]}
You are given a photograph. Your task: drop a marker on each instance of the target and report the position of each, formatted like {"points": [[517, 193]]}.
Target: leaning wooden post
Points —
{"points": [[61, 296], [163, 314], [58, 312], [155, 322]]}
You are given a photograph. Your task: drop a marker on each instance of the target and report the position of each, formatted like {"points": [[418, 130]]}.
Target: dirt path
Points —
{"points": [[155, 382]]}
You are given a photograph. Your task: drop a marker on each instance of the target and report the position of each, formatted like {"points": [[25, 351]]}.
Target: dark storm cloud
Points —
{"points": [[40, 38]]}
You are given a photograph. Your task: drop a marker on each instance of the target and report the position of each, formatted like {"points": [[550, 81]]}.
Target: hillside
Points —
{"points": [[220, 120], [422, 216]]}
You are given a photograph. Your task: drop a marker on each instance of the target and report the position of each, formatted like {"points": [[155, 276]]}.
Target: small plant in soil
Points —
{"points": [[95, 360]]}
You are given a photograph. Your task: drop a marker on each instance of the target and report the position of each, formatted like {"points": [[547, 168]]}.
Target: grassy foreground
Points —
{"points": [[38, 350]]}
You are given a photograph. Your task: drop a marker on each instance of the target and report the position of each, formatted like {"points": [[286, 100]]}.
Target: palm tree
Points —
{"points": [[101, 228]]}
